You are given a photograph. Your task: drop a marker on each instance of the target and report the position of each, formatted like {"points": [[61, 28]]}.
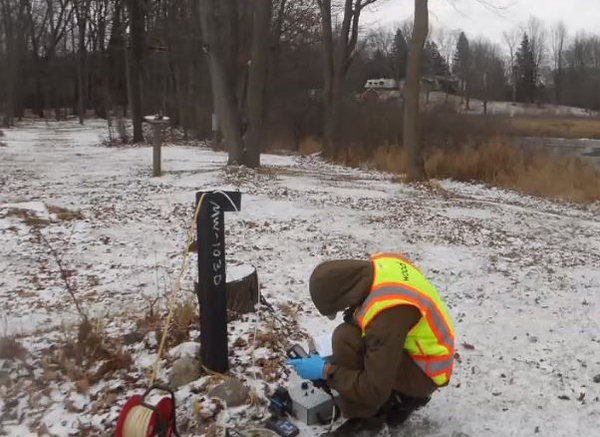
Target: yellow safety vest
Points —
{"points": [[430, 342]]}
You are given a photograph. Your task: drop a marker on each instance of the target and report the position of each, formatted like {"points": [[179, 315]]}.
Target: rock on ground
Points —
{"points": [[232, 391]]}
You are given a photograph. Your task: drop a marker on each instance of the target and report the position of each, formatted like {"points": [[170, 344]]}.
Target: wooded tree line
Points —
{"points": [[534, 63], [278, 68]]}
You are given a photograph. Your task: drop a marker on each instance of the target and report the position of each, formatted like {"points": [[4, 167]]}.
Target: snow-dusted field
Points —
{"points": [[512, 109], [521, 277]]}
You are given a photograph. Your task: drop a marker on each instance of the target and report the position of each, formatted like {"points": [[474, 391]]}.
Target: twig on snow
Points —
{"points": [[64, 275]]}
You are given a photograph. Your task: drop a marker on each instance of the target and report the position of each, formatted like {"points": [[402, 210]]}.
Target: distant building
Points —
{"points": [[443, 84], [382, 84], [381, 90], [386, 90]]}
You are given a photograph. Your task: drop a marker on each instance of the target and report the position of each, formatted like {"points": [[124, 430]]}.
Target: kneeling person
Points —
{"points": [[395, 347]]}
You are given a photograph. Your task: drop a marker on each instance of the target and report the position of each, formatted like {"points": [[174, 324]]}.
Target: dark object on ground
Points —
{"points": [[242, 293], [232, 391], [359, 428], [280, 402], [400, 407], [282, 427]]}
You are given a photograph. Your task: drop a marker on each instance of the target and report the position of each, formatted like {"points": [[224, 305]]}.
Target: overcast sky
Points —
{"points": [[478, 20]]}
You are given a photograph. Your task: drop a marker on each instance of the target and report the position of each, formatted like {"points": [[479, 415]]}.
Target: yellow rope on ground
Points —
{"points": [[173, 297]]}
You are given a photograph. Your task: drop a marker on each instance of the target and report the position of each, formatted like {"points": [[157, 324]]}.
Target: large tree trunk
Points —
{"points": [[134, 69], [558, 85], [259, 70], [341, 61], [334, 113], [40, 104], [8, 26], [337, 57], [81, 12], [328, 63], [223, 93], [412, 140]]}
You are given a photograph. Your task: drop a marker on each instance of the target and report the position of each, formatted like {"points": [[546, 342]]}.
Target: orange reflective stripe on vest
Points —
{"points": [[431, 341]]}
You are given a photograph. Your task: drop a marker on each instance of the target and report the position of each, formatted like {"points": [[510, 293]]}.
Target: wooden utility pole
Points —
{"points": [[412, 137], [157, 123]]}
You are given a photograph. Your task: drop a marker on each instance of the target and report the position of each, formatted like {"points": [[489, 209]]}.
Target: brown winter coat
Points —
{"points": [[366, 369]]}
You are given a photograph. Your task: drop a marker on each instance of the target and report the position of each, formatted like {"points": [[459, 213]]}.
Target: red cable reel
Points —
{"points": [[140, 419]]}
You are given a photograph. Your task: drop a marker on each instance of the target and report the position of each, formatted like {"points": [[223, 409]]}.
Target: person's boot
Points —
{"points": [[401, 407], [359, 427]]}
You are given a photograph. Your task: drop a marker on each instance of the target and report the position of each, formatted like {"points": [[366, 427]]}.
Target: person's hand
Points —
{"points": [[310, 368]]}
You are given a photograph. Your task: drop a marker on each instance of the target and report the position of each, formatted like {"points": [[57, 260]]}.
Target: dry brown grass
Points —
{"points": [[310, 145], [391, 159], [31, 219], [496, 163], [352, 156], [64, 214], [86, 360], [552, 127], [11, 349], [27, 217], [185, 317]]}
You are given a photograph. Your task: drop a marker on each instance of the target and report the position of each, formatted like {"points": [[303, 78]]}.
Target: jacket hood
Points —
{"points": [[337, 285]]}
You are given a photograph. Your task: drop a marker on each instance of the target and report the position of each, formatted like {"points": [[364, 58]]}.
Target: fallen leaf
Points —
{"points": [[468, 346], [10, 349], [83, 386]]}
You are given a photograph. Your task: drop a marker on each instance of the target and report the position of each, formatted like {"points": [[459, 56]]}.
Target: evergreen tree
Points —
{"points": [[378, 65], [434, 63], [526, 72], [461, 64], [399, 55]]}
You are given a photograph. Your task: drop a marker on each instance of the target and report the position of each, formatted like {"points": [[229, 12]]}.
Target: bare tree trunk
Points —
{"points": [[341, 61], [8, 26], [127, 56], [81, 12], [223, 93], [328, 63], [276, 37], [135, 60], [334, 113], [412, 140], [338, 54], [259, 71], [40, 105], [468, 92]]}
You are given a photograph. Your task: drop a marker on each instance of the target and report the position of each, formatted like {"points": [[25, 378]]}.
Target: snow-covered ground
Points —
{"points": [[520, 275], [511, 108]]}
